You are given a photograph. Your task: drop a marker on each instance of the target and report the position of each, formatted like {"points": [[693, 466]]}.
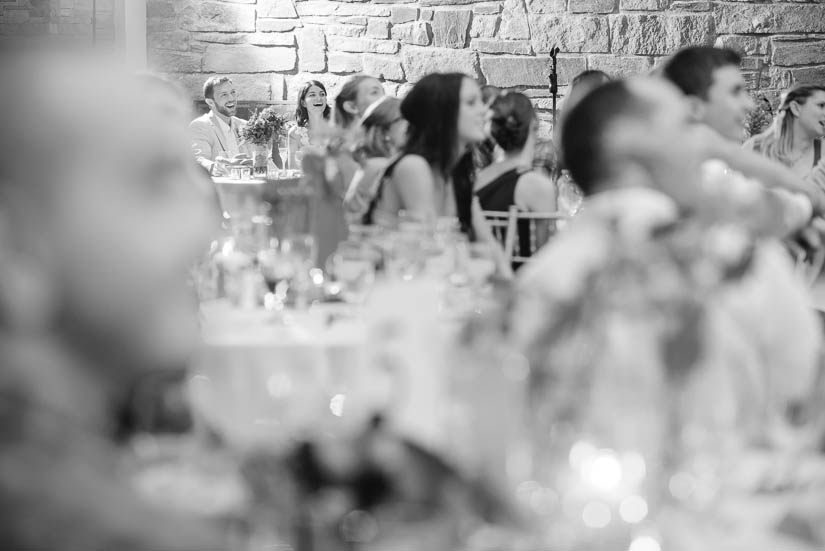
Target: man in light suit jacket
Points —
{"points": [[217, 133]]}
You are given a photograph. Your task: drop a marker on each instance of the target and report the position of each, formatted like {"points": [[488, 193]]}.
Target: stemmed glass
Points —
{"points": [[278, 269], [353, 265], [481, 264], [302, 250]]}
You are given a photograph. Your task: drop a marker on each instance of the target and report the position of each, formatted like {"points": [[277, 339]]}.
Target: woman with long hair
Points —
{"points": [[434, 174], [794, 137], [311, 118], [383, 133]]}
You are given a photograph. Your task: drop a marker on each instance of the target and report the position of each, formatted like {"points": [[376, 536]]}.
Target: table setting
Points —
{"points": [[375, 401]]}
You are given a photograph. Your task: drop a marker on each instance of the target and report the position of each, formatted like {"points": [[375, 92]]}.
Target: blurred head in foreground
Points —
{"points": [[632, 133], [100, 217]]}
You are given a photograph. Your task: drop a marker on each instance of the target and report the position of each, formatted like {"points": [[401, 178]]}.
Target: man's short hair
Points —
{"points": [[211, 82], [586, 125], [691, 69]]}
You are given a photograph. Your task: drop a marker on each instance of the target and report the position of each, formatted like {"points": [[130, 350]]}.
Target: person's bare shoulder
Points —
{"points": [[412, 163], [537, 192]]}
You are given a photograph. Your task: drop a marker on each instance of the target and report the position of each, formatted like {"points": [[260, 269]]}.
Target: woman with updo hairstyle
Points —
{"points": [[513, 180], [383, 133], [794, 138]]}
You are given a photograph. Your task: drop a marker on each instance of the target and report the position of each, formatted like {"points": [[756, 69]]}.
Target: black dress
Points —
{"points": [[500, 195]]}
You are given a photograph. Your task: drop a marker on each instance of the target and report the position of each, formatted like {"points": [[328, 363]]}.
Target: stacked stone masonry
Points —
{"points": [[270, 46], [67, 22]]}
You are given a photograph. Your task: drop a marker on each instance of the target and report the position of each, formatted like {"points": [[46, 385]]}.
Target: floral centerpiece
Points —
{"points": [[259, 131]]}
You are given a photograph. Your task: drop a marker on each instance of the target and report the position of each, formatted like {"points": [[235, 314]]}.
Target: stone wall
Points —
{"points": [[65, 21], [271, 45]]}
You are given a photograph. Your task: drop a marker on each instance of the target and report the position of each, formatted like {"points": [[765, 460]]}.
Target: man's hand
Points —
{"points": [[219, 167]]}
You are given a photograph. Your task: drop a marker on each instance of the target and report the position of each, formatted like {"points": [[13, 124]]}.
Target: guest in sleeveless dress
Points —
{"points": [[434, 174], [513, 180]]}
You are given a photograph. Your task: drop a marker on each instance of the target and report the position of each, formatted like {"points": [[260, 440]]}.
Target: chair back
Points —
{"points": [[499, 222], [532, 231], [522, 233]]}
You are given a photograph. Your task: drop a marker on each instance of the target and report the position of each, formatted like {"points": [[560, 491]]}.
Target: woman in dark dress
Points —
{"points": [[513, 180]]}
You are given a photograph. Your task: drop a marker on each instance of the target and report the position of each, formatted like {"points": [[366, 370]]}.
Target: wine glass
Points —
{"points": [[302, 250], [481, 264], [278, 270], [353, 265], [298, 156]]}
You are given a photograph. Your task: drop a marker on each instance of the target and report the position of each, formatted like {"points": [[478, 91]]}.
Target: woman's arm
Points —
{"points": [[413, 180], [770, 173], [536, 192]]}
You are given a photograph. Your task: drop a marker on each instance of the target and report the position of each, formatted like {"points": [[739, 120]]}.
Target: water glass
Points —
{"points": [[278, 270], [481, 263], [403, 255], [353, 266], [303, 249]]}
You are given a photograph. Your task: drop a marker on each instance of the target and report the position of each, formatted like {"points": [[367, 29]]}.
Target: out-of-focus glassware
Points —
{"points": [[481, 263], [303, 251], [299, 158], [403, 255], [353, 266], [278, 270]]}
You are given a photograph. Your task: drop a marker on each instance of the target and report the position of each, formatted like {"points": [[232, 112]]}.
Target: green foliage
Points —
{"points": [[761, 117], [262, 126]]}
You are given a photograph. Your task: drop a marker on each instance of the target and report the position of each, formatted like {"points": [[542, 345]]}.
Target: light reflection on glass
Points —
{"points": [[645, 543], [596, 515], [633, 509]]}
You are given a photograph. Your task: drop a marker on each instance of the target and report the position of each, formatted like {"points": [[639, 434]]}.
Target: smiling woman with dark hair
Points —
{"points": [[311, 118]]}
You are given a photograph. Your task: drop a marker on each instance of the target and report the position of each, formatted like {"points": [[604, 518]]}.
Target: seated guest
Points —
{"points": [[645, 321], [581, 85], [332, 167], [356, 95], [217, 133], [311, 120], [383, 133], [513, 181], [93, 295], [794, 138], [717, 93], [434, 173]]}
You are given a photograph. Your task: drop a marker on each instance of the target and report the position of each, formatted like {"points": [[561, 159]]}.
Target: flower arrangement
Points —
{"points": [[262, 126]]}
